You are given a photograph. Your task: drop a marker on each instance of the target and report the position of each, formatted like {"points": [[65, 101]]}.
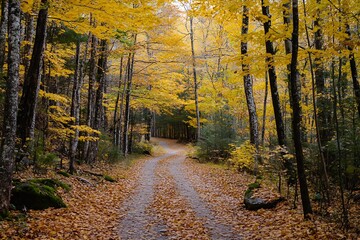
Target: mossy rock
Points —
{"points": [[255, 203], [54, 183], [109, 179], [34, 195]]}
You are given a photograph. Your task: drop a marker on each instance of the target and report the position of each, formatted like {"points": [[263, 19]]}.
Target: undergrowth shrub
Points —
{"points": [[143, 147], [242, 157], [217, 139]]}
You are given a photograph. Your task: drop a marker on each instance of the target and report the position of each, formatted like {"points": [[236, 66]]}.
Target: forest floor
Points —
{"points": [[166, 196]]}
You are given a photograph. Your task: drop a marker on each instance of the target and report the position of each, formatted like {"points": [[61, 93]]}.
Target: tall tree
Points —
{"points": [[91, 92], [129, 76], [353, 69], [28, 102], [273, 77], [296, 118], [196, 84], [3, 31], [248, 84], [11, 106]]}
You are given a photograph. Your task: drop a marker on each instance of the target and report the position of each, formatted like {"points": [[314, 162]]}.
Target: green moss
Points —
{"points": [[108, 178], [251, 187], [54, 183], [63, 173], [34, 195]]}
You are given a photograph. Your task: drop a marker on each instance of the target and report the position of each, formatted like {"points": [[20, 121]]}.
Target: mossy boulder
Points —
{"points": [[255, 203], [36, 194], [54, 183]]}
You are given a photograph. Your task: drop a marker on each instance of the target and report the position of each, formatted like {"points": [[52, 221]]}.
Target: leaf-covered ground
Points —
{"points": [[164, 197]]}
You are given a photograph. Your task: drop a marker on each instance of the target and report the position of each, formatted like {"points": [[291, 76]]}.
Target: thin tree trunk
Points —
{"points": [[117, 125], [264, 111], [296, 123], [273, 78], [130, 68], [338, 145], [28, 102], [11, 106], [29, 32], [99, 111], [318, 133], [91, 92], [3, 31], [248, 83], [75, 110], [196, 85], [287, 42], [354, 73]]}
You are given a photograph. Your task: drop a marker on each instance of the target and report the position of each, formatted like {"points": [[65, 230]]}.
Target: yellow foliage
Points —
{"points": [[242, 158], [55, 97]]}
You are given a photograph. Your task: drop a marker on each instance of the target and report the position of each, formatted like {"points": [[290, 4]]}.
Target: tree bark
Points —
{"points": [[3, 31], [29, 32], [130, 67], [264, 111], [75, 109], [99, 97], [354, 73], [273, 78], [296, 106], [116, 123], [248, 84], [11, 107], [196, 85], [91, 92], [28, 102]]}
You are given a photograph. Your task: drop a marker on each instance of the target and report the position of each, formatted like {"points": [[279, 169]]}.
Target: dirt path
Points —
{"points": [[165, 204]]}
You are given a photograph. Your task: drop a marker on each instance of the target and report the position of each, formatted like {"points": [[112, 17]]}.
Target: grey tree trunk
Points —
{"points": [[91, 92], [248, 84], [3, 31], [75, 109], [27, 107], [296, 106], [116, 122], [196, 85], [273, 79], [11, 106]]}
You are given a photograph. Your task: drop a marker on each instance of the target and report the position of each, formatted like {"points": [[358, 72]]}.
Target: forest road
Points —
{"points": [[144, 221]]}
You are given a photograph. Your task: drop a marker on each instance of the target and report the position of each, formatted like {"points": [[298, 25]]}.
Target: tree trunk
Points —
{"points": [[324, 108], [264, 111], [317, 128], [116, 123], [98, 114], [3, 31], [75, 109], [27, 107], [273, 78], [129, 74], [287, 42], [29, 32], [353, 69], [196, 85], [91, 92], [296, 106], [11, 106], [248, 84]]}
